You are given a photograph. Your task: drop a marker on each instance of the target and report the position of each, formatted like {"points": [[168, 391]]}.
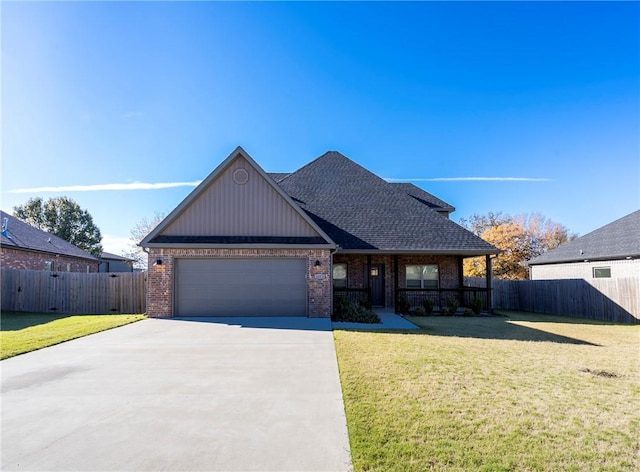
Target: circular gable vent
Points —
{"points": [[240, 176]]}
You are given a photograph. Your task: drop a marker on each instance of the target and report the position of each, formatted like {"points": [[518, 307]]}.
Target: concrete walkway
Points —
{"points": [[179, 395]]}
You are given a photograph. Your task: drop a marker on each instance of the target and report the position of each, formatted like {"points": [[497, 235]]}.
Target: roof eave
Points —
{"points": [[53, 253], [439, 252], [587, 259], [236, 246]]}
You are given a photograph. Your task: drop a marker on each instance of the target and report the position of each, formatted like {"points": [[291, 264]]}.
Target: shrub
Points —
{"points": [[427, 303], [419, 311], [403, 304], [365, 303], [444, 311], [476, 305], [344, 310], [468, 312], [453, 304], [342, 304]]}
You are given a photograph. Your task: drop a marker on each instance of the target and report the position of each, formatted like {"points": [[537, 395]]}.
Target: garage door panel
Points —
{"points": [[241, 287]]}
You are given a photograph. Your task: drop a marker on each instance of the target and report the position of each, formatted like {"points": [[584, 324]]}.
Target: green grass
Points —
{"points": [[520, 392], [25, 332]]}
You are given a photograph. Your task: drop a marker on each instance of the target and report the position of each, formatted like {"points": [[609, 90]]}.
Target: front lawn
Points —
{"points": [[25, 332], [518, 392]]}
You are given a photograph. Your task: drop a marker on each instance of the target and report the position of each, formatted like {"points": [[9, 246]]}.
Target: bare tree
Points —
{"points": [[138, 233]]}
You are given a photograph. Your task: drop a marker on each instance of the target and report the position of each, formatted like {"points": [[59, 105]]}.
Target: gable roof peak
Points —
{"points": [[337, 167], [202, 190]]}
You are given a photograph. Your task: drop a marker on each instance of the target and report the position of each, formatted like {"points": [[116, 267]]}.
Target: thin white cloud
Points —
{"points": [[470, 179], [107, 187]]}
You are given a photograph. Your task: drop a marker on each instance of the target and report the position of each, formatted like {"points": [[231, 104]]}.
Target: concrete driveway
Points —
{"points": [[179, 395]]}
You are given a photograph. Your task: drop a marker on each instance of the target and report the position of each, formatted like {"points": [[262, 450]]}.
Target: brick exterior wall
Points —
{"points": [[160, 296], [448, 270], [32, 260]]}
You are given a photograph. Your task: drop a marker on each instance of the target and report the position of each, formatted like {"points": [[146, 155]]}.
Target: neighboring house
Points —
{"points": [[26, 247], [115, 263], [245, 242], [612, 251]]}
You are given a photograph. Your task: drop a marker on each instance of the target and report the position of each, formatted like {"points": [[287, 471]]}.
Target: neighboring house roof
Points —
{"points": [[617, 240], [20, 235], [114, 257], [361, 211]]}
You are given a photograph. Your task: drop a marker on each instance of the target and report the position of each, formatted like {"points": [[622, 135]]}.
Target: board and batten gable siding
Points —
{"points": [[235, 207]]}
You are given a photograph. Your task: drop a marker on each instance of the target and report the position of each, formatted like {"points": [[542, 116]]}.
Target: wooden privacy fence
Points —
{"points": [[602, 299], [73, 292]]}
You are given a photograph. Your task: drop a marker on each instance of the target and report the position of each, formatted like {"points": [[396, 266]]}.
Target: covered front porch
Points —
{"points": [[403, 281]]}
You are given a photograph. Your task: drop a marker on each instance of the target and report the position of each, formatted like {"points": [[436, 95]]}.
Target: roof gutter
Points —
{"points": [[586, 259], [438, 252], [236, 246]]}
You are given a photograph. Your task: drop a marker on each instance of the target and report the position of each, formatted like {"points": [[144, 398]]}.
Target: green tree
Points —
{"points": [[138, 233], [520, 237], [64, 218]]}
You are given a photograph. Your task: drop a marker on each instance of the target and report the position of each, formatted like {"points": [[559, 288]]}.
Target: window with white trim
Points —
{"points": [[340, 275], [602, 272], [422, 276], [48, 265]]}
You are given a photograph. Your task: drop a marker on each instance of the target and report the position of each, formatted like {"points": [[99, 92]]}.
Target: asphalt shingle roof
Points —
{"points": [[423, 196], [359, 210], [21, 235], [617, 240], [277, 176], [115, 257]]}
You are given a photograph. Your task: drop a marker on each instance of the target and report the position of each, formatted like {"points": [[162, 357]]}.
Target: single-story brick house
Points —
{"points": [[245, 242], [23, 246], [611, 251], [110, 262]]}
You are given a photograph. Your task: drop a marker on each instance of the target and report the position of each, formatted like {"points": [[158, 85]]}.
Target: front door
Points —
{"points": [[376, 282]]}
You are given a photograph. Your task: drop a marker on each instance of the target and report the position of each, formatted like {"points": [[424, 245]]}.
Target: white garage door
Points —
{"points": [[240, 287]]}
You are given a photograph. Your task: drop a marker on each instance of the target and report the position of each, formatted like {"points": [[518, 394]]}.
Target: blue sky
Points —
{"points": [[121, 93]]}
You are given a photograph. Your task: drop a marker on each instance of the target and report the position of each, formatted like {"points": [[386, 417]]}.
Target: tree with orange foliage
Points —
{"points": [[521, 238]]}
